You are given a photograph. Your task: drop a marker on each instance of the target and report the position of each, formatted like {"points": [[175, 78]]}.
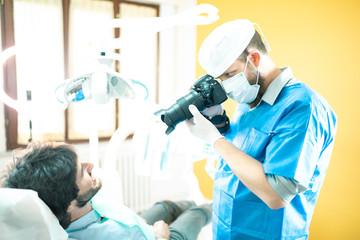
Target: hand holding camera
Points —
{"points": [[206, 93], [202, 128]]}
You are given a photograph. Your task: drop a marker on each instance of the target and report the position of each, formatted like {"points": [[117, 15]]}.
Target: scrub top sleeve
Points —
{"points": [[295, 146]]}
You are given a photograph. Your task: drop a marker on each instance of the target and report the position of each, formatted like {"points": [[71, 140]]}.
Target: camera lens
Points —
{"points": [[179, 111], [206, 92]]}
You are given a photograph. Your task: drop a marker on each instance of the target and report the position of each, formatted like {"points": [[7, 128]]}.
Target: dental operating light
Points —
{"points": [[103, 83], [100, 85]]}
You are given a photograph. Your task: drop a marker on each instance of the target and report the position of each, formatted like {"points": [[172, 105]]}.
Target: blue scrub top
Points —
{"points": [[293, 137]]}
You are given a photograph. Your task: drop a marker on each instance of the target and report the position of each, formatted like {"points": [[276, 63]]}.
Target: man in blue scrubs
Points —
{"points": [[276, 152]]}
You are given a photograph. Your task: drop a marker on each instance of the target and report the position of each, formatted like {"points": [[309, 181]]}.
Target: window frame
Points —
{"points": [[9, 69], [9, 73]]}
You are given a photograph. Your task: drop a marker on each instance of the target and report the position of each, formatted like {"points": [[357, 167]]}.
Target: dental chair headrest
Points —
{"points": [[23, 215]]}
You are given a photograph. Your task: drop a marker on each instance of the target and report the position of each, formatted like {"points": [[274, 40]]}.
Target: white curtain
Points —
{"points": [[88, 28], [39, 66]]}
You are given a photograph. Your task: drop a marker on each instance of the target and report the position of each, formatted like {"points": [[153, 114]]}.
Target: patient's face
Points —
{"points": [[88, 184]]}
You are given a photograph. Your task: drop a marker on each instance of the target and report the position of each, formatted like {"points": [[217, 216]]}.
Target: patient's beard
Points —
{"points": [[83, 199]]}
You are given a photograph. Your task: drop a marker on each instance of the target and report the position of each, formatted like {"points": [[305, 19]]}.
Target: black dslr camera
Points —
{"points": [[206, 92]]}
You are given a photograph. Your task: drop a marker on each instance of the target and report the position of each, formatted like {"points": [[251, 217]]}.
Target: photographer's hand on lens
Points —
{"points": [[213, 111], [202, 128]]}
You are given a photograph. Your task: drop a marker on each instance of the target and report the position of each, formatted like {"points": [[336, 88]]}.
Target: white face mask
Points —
{"points": [[239, 89]]}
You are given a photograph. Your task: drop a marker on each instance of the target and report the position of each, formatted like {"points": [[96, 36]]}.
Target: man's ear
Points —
{"points": [[71, 206], [255, 57]]}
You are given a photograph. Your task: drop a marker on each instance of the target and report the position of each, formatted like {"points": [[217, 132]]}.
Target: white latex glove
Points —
{"points": [[213, 111], [202, 128]]}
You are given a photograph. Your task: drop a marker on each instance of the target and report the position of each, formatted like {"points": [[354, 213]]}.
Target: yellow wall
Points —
{"points": [[320, 40]]}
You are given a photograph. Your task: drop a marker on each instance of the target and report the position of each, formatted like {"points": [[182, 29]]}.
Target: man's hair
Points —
{"points": [[50, 170], [257, 43]]}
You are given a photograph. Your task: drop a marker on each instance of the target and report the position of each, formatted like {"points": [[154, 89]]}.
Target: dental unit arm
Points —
{"points": [[201, 14]]}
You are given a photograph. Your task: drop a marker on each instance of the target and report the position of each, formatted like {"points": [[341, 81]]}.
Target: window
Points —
{"points": [[38, 35], [168, 68], [54, 38]]}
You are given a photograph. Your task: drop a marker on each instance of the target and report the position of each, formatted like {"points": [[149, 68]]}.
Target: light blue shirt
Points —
{"points": [[94, 226]]}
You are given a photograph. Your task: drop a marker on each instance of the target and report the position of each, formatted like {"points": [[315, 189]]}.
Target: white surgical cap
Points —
{"points": [[224, 45]]}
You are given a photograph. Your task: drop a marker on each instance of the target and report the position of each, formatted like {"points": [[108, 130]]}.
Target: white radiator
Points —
{"points": [[136, 189]]}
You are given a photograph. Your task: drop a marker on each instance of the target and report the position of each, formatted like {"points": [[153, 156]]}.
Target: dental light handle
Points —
{"points": [[143, 86]]}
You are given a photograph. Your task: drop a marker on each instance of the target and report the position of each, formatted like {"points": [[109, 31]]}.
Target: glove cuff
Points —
{"points": [[215, 138], [220, 120]]}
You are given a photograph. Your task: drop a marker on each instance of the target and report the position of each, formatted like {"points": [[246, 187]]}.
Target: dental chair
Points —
{"points": [[177, 150], [24, 216]]}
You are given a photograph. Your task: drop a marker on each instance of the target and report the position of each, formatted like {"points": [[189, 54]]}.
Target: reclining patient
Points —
{"points": [[70, 190]]}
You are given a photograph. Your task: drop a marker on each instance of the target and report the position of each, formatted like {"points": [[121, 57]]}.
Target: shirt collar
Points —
{"points": [[84, 221], [273, 90]]}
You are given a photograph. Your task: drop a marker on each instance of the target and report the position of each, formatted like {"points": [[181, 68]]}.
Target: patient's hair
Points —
{"points": [[50, 170]]}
